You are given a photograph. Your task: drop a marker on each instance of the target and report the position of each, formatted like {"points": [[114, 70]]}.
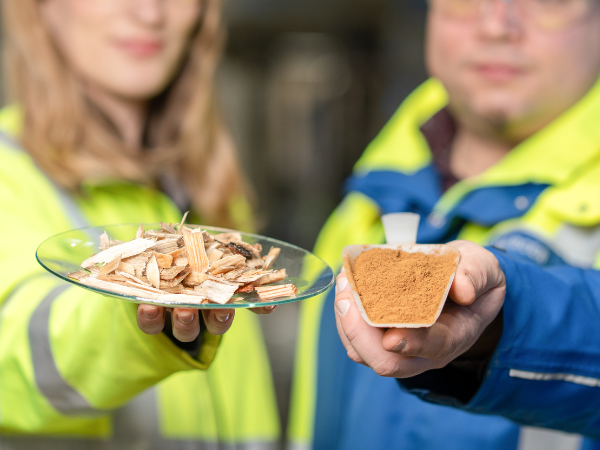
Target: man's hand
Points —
{"points": [[186, 322], [478, 294]]}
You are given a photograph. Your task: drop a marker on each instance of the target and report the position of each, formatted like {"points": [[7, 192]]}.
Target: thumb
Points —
{"points": [[478, 271]]}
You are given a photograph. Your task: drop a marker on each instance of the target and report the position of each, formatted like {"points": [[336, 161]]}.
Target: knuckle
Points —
{"points": [[352, 334], [389, 367]]}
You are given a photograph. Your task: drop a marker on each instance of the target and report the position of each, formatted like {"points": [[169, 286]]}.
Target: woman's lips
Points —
{"points": [[498, 72], [140, 48]]}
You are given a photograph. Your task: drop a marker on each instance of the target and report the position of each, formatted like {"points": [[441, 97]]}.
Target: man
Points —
{"points": [[501, 148]]}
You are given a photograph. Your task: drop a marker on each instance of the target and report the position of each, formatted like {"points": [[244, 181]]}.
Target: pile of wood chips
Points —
{"points": [[181, 264]]}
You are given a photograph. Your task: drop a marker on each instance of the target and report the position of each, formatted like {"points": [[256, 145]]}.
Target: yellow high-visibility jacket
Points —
{"points": [[75, 370]]}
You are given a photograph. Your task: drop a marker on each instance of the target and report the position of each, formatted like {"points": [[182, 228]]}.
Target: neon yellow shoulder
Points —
{"points": [[400, 144]]}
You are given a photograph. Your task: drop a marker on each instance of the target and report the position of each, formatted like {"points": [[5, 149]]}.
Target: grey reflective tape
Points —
{"points": [[48, 443], [11, 295], [9, 141], [298, 446], [569, 377], [578, 246], [73, 214], [531, 438], [136, 426], [71, 209], [51, 384]]}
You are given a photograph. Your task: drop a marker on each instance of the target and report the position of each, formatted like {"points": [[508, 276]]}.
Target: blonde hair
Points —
{"points": [[71, 141]]}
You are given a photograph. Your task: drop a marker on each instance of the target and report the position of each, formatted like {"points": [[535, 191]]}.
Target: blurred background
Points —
{"points": [[305, 85]]}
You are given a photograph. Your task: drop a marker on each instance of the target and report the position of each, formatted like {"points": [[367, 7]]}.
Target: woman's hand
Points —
{"points": [[186, 322], [478, 294]]}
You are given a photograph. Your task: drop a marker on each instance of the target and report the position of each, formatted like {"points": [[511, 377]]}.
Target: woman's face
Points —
{"points": [[130, 48]]}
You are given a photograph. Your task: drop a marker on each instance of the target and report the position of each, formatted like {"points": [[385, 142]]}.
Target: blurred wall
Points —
{"points": [[305, 86]]}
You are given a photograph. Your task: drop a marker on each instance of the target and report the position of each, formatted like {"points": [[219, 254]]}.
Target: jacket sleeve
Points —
{"points": [[67, 356], [545, 370]]}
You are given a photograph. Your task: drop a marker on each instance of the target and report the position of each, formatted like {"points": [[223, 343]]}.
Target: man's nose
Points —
{"points": [[500, 20]]}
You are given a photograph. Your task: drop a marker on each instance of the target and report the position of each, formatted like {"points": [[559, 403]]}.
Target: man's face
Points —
{"points": [[504, 74]]}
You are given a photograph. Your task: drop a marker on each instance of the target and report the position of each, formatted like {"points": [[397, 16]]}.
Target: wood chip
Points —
{"points": [[113, 278], [250, 275], [163, 261], [78, 275], [109, 267], [153, 272], [226, 238], [270, 257], [104, 241], [214, 255], [182, 222], [170, 273], [229, 261], [165, 246], [195, 278], [125, 249], [272, 277], [127, 267], [134, 279], [114, 287], [194, 247], [245, 289], [175, 281], [216, 292], [140, 232], [271, 292], [167, 228]]}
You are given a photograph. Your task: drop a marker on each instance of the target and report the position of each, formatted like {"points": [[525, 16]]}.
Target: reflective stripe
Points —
{"points": [[569, 377], [136, 426], [9, 141], [47, 443], [71, 209], [531, 438], [11, 295], [578, 246], [297, 446], [61, 395]]}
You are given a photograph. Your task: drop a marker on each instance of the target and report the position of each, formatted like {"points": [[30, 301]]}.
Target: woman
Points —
{"points": [[115, 121]]}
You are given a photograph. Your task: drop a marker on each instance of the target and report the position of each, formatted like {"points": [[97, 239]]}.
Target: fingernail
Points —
{"points": [[341, 284], [343, 306], [185, 319], [270, 308], [401, 346], [150, 313], [222, 317]]}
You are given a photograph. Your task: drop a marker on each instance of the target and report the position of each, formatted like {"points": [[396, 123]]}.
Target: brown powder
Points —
{"points": [[401, 287]]}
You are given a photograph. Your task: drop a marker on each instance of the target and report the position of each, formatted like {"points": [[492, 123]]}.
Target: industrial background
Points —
{"points": [[305, 85]]}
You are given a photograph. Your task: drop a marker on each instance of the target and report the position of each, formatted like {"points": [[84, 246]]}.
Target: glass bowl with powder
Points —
{"points": [[400, 285]]}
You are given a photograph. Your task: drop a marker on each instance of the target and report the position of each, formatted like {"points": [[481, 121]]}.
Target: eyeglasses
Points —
{"points": [[545, 14]]}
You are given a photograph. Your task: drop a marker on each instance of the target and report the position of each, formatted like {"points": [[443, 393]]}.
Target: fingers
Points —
{"points": [[264, 309], [455, 329], [218, 321], [150, 318], [478, 271], [186, 324], [342, 304]]}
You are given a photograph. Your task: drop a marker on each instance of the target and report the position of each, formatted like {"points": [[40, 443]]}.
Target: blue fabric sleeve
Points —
{"points": [[545, 370]]}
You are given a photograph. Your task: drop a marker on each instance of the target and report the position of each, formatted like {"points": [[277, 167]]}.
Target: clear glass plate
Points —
{"points": [[63, 253]]}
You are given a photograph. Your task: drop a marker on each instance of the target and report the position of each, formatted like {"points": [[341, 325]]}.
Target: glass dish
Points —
{"points": [[63, 253]]}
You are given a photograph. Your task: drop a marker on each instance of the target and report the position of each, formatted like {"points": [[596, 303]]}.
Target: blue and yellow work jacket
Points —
{"points": [[539, 211], [76, 372]]}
